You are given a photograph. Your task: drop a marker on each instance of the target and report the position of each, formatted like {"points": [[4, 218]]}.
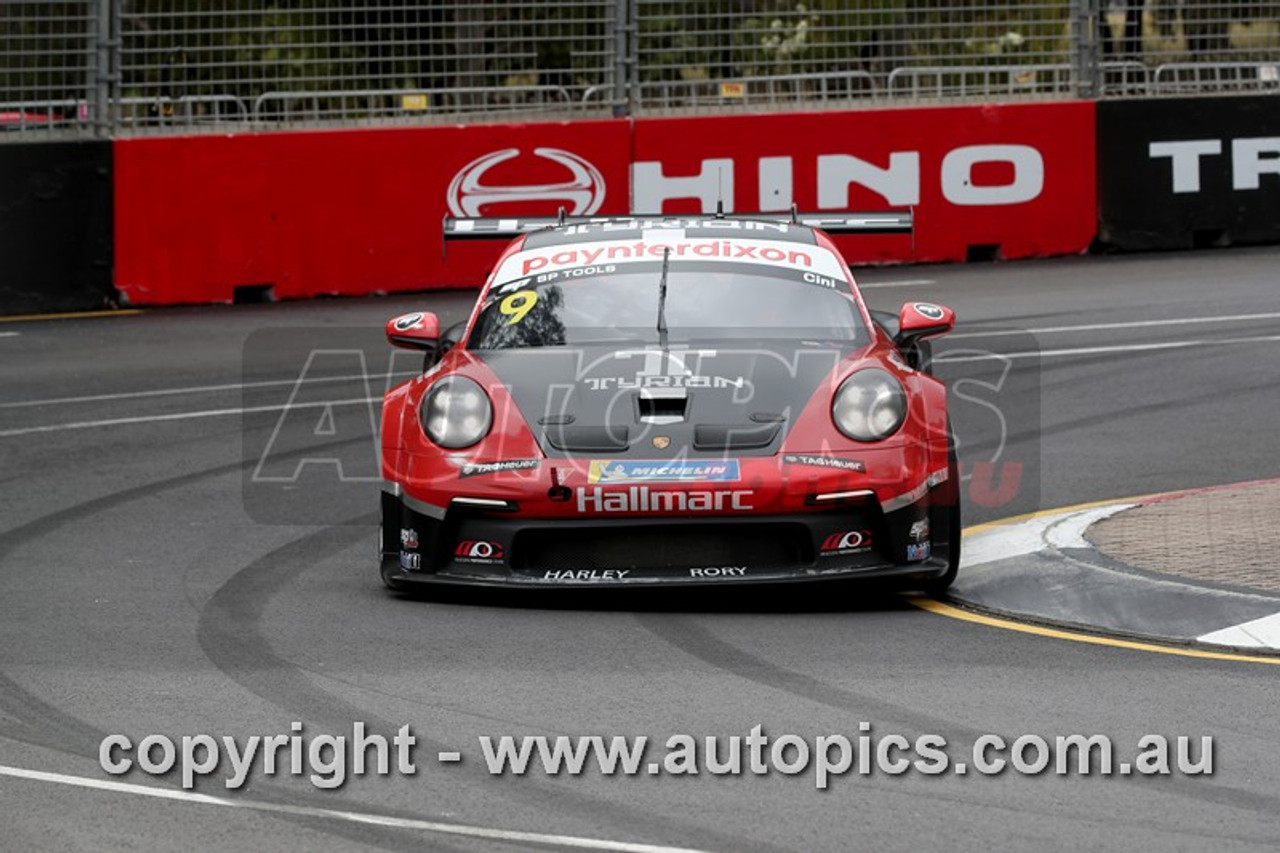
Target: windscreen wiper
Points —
{"points": [[662, 298]]}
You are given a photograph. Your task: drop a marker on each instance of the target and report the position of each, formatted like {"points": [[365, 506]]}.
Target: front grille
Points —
{"points": [[653, 547]]}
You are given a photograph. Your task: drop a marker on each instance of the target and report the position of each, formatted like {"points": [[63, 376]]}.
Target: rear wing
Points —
{"points": [[832, 222]]}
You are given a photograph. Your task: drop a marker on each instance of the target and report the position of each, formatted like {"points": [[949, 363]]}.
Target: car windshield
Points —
{"points": [[704, 302]]}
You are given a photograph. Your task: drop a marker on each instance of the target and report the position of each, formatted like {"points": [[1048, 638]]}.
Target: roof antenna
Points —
{"points": [[561, 216], [795, 217], [662, 298], [720, 193]]}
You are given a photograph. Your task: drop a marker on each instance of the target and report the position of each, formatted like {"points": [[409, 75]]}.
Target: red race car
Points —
{"points": [[667, 400]]}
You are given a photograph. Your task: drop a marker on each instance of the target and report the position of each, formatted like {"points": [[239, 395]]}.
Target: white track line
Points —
{"points": [[1053, 353], [1136, 324], [507, 835], [1033, 535], [183, 416], [8, 334], [203, 389], [1261, 633], [1069, 532]]}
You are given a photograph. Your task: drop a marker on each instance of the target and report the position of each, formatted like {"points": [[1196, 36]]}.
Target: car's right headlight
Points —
{"points": [[870, 405], [456, 412]]}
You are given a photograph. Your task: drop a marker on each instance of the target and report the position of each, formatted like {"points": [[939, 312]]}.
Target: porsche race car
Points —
{"points": [[670, 401]]}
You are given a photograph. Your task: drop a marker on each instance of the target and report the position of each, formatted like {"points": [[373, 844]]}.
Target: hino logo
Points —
{"points": [[581, 195], [897, 182]]}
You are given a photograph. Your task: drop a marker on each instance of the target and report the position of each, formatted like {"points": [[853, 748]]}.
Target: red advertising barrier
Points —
{"points": [[986, 181], [358, 211], [343, 212]]}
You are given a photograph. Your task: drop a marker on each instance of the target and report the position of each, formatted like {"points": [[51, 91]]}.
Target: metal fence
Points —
{"points": [[132, 66]]}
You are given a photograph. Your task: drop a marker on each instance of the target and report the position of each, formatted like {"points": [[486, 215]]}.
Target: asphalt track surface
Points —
{"points": [[137, 596]]}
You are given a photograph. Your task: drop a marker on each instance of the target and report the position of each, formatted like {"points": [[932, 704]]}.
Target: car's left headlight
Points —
{"points": [[870, 405], [456, 412]]}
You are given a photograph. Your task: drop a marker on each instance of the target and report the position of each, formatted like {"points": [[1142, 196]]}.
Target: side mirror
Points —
{"points": [[419, 330], [920, 320]]}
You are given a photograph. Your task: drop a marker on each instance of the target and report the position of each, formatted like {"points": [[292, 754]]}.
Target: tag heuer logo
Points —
{"points": [[662, 442]]}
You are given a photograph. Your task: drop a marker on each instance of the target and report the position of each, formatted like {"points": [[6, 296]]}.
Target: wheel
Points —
{"points": [[935, 587], [388, 581]]}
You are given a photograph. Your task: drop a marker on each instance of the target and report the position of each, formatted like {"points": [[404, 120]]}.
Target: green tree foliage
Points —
{"points": [[185, 47], [716, 38], [46, 51], [244, 48]]}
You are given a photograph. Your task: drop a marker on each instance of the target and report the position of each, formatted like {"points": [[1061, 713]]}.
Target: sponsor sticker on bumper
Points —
{"points": [[639, 471], [846, 542], [585, 574], [478, 551], [474, 469], [916, 553], [824, 462]]}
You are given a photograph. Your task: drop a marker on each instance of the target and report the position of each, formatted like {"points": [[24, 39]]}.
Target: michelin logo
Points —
{"points": [[606, 471]]}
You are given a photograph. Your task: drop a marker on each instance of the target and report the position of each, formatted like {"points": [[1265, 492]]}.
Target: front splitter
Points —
{"points": [[923, 571]]}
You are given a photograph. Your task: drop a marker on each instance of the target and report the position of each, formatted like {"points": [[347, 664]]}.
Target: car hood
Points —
{"points": [[717, 400]]}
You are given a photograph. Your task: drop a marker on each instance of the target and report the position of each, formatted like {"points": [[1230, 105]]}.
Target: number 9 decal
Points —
{"points": [[517, 305]]}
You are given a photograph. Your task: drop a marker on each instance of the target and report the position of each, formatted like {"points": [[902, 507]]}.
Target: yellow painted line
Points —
{"points": [[1057, 634], [951, 612], [70, 315]]}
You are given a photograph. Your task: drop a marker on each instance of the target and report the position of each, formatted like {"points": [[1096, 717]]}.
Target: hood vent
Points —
{"points": [[662, 405], [588, 439], [734, 436]]}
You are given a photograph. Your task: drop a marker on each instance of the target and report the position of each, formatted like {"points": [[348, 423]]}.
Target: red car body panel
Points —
{"points": [[902, 481]]}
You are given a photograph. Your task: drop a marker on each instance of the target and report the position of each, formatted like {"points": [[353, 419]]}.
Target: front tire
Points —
{"points": [[387, 580], [936, 587]]}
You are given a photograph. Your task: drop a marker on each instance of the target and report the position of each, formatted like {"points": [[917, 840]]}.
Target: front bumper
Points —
{"points": [[488, 546]]}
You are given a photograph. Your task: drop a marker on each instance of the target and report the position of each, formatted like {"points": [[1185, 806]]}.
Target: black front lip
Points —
{"points": [[922, 571]]}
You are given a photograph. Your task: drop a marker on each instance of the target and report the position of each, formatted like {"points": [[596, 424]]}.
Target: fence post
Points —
{"points": [[100, 94], [633, 56], [1086, 68], [621, 58]]}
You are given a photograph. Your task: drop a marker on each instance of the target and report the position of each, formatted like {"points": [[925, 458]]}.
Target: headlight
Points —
{"points": [[455, 412], [870, 405]]}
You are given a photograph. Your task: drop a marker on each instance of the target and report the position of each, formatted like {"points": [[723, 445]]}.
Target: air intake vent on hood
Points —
{"points": [[663, 405], [588, 439]]}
